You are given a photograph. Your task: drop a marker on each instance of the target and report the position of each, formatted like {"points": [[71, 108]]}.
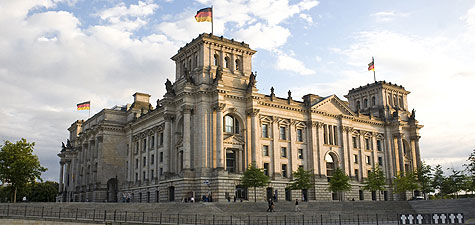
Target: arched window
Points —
{"points": [[196, 62], [216, 59], [237, 64], [365, 103], [231, 124], [331, 163], [226, 62], [373, 100], [358, 105], [401, 103], [189, 63], [395, 101]]}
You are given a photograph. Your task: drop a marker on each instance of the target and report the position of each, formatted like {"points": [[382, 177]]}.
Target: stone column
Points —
{"points": [[61, 176], [186, 137], [400, 153], [418, 153], [347, 145], [253, 113], [275, 148], [166, 143], [320, 158], [219, 135]]}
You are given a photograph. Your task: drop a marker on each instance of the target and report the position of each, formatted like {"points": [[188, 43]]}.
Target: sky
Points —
{"points": [[57, 53]]}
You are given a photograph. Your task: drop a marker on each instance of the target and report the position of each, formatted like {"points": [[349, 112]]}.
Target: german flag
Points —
{"points": [[84, 105], [204, 15], [371, 66]]}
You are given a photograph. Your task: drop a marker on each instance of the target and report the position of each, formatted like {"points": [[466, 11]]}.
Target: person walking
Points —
{"points": [[269, 205], [297, 208]]}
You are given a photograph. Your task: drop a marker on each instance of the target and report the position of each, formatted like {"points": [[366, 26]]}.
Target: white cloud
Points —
{"points": [[387, 16], [128, 18], [306, 17], [263, 36], [289, 63]]}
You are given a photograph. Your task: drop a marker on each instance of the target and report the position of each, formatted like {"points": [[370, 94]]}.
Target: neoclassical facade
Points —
{"points": [[212, 123]]}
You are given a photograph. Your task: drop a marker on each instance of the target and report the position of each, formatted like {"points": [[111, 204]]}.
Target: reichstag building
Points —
{"points": [[212, 123]]}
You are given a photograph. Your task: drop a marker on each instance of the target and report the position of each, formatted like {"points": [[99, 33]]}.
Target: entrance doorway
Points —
{"points": [[171, 194], [241, 192], [269, 193]]}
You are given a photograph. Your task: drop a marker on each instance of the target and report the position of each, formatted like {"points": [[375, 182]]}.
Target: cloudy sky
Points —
{"points": [[57, 53]]}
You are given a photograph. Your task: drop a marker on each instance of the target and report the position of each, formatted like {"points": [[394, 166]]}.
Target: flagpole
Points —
{"points": [[374, 72], [212, 19]]}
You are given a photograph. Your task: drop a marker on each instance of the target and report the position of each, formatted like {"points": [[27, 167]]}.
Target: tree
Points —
{"points": [[302, 179], [453, 183], [470, 167], [18, 165], [254, 177], [404, 183], [43, 192], [438, 179], [424, 177], [375, 181], [339, 182]]}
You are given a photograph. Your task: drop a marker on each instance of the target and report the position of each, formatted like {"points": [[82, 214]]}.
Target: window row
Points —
{"points": [[283, 152], [284, 170], [144, 143], [227, 62], [330, 134], [368, 143], [282, 132], [368, 160], [152, 160], [151, 174], [365, 103], [395, 100]]}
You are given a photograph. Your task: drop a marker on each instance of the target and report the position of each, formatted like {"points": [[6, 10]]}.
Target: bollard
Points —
{"points": [[42, 211], [25, 212], [267, 219], [94, 215], [105, 215], [249, 219], [125, 216], [143, 217], [77, 209], [377, 222], [213, 219], [285, 219], [339, 218], [178, 219], [358, 219]]}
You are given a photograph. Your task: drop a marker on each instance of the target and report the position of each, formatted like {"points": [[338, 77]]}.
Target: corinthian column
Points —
{"points": [[400, 153], [166, 143], [253, 113], [61, 176], [186, 137], [219, 134]]}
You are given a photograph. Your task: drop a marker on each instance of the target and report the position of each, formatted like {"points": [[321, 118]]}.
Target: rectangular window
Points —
{"points": [[355, 159], [161, 156], [152, 141], [144, 161], [299, 135], [161, 138], [152, 159], [144, 144], [378, 145], [127, 149], [282, 133], [265, 130], [355, 142], [325, 134], [330, 134], [368, 160], [284, 170], [136, 147], [300, 153], [357, 174], [265, 150], [151, 174], [335, 135], [161, 171], [136, 177], [380, 161], [283, 152], [367, 143], [136, 163], [143, 175], [266, 169]]}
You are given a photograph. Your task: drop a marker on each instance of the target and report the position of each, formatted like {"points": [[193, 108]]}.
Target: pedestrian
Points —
{"points": [[272, 206], [297, 208], [269, 205]]}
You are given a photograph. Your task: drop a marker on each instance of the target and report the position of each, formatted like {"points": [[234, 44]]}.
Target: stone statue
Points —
{"points": [[219, 73], [63, 148], [252, 81], [413, 114], [169, 87], [68, 144], [289, 94], [272, 91], [188, 77]]}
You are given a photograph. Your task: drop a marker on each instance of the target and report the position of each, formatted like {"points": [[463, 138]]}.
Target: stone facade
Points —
{"points": [[212, 124]]}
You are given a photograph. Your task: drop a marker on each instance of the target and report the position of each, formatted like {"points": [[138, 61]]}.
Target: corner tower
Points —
{"points": [[208, 59]]}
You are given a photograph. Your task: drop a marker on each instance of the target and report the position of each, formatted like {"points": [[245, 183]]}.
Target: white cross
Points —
{"points": [[436, 218], [403, 219], [419, 218], [452, 218], [459, 217], [443, 217], [411, 218]]}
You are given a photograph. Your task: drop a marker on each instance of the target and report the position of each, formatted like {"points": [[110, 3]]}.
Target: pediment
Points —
{"points": [[333, 105], [233, 140]]}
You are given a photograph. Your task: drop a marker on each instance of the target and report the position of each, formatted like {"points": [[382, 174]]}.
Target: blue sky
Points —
{"points": [[57, 53]]}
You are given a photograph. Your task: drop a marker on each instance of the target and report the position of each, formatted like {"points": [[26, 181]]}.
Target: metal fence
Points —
{"points": [[123, 216]]}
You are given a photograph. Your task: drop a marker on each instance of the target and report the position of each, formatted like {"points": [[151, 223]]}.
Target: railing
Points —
{"points": [[123, 216]]}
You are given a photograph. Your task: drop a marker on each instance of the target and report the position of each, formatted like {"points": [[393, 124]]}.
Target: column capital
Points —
{"points": [[168, 117], [415, 138], [187, 109], [219, 107], [399, 135], [253, 112]]}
